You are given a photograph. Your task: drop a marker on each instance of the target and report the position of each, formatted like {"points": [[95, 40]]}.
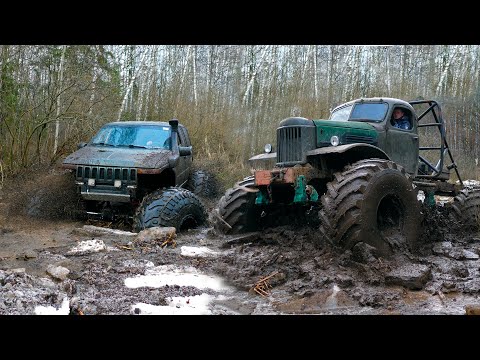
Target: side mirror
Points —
{"points": [[185, 150], [81, 145]]}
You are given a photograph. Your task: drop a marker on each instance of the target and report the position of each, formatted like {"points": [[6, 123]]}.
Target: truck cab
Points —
{"points": [[400, 144]]}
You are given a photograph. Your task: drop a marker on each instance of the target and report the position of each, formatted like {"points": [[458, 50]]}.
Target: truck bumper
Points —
{"points": [[280, 175]]}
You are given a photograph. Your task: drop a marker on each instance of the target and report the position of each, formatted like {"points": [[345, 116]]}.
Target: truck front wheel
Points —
{"points": [[371, 201]]}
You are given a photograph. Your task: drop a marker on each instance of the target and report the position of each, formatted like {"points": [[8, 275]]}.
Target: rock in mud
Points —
{"points": [[156, 235], [471, 286], [57, 272], [472, 310], [45, 283], [442, 248], [469, 255], [29, 254], [462, 254], [364, 253], [411, 276]]}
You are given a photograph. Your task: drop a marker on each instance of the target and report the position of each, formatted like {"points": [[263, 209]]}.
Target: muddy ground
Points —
{"points": [[50, 264]]}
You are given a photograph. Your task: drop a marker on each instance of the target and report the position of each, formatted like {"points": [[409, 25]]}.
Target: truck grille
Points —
{"points": [[289, 143], [106, 175], [352, 139]]}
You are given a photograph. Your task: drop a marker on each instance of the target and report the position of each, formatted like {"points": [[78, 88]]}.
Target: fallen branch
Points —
{"points": [[218, 216], [262, 287], [169, 241]]}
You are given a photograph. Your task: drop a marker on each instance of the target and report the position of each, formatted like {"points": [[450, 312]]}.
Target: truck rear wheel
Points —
{"points": [[466, 209], [371, 201], [174, 206], [237, 212]]}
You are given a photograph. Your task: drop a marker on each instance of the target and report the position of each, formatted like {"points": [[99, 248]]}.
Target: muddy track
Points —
{"points": [[304, 274]]}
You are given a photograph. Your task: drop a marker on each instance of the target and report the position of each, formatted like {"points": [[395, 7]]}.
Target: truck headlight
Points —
{"points": [[334, 140], [91, 182], [268, 148], [117, 183]]}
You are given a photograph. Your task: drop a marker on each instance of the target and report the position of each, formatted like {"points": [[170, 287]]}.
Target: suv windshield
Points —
{"points": [[365, 112], [137, 136]]}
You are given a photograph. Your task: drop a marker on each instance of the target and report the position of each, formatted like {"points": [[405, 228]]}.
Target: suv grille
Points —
{"points": [[106, 175]]}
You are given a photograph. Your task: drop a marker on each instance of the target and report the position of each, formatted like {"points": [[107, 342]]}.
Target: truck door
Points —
{"points": [[402, 144]]}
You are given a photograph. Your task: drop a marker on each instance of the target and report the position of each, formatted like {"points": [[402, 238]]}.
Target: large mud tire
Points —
{"points": [[466, 209], [202, 184], [237, 209], [174, 206], [371, 201]]}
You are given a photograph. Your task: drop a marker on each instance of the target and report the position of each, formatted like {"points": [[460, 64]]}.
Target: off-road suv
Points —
{"points": [[141, 170]]}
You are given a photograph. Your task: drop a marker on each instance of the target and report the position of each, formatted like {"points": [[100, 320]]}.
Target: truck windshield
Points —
{"points": [[135, 136], [361, 112]]}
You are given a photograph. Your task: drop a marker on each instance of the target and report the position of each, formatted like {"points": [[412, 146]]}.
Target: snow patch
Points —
{"points": [[197, 251], [50, 310], [172, 275], [177, 305], [88, 247]]}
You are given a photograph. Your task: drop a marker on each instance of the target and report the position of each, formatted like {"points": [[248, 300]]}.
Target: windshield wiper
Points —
{"points": [[103, 144], [137, 146]]}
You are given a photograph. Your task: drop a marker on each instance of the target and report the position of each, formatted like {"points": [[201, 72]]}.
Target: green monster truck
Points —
{"points": [[140, 169], [357, 170]]}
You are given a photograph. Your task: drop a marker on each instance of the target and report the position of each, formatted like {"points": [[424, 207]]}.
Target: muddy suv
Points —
{"points": [[140, 170]]}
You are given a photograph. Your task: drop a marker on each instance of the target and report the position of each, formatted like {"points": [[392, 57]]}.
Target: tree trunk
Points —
{"points": [[60, 84]]}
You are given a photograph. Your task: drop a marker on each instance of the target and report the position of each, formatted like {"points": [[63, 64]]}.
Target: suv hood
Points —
{"points": [[119, 157]]}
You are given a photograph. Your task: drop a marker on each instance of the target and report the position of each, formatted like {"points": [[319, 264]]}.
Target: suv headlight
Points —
{"points": [[91, 182]]}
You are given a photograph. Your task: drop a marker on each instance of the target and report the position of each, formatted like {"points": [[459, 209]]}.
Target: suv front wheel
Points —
{"points": [[173, 206]]}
